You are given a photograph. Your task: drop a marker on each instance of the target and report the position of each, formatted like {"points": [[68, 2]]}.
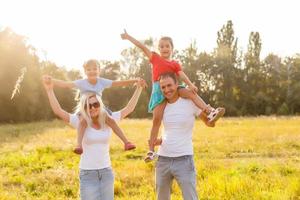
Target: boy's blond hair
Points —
{"points": [[91, 62]]}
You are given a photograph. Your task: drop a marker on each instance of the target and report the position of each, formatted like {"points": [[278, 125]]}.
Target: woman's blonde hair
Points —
{"points": [[84, 109]]}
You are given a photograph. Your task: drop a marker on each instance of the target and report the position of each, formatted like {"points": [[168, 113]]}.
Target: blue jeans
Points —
{"points": [[97, 184], [181, 169]]}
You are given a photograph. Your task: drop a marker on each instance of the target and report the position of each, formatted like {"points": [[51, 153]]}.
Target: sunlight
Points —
{"points": [[71, 32]]}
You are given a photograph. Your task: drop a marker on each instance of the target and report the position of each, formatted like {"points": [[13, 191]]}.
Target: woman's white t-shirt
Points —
{"points": [[95, 144]]}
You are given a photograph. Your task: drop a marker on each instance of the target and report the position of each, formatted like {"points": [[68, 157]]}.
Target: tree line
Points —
{"points": [[243, 82]]}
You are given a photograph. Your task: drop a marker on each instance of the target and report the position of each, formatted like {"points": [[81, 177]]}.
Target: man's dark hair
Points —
{"points": [[168, 75]]}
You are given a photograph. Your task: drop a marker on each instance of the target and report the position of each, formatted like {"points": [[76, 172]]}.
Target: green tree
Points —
{"points": [[271, 69], [225, 68], [291, 81], [16, 54], [255, 100]]}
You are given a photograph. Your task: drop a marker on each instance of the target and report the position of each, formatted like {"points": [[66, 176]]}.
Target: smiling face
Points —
{"points": [[92, 70], [94, 107], [165, 47], [169, 87]]}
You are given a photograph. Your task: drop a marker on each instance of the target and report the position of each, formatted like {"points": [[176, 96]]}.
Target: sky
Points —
{"points": [[68, 32]]}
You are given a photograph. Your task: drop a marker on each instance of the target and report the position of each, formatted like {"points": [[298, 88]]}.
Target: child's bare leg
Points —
{"points": [[80, 132], [198, 101], [156, 122], [212, 114], [118, 131]]}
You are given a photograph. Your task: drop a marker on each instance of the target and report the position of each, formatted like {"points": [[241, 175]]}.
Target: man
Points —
{"points": [[175, 154]]}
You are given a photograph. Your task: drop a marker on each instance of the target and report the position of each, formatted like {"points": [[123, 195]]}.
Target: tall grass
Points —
{"points": [[241, 158]]}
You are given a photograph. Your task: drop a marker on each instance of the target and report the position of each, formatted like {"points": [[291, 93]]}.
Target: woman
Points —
{"points": [[96, 175]]}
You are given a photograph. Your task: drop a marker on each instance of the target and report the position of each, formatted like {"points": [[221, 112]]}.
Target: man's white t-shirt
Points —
{"points": [[95, 144], [178, 121]]}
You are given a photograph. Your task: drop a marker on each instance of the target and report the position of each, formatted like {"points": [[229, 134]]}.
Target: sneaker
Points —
{"points": [[215, 114], [129, 146], [208, 109], [150, 156], [78, 150]]}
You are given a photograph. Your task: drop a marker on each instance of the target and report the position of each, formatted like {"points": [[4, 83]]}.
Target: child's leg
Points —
{"points": [[80, 132], [114, 126], [156, 122], [198, 101], [212, 114]]}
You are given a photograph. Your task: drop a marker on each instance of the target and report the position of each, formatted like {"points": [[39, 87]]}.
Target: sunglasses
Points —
{"points": [[95, 105]]}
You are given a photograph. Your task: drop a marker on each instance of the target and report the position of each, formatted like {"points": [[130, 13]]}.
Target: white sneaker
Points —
{"points": [[215, 114], [150, 156]]}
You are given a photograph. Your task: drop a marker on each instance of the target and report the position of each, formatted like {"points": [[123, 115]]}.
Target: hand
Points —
{"points": [[158, 142], [193, 88], [124, 35], [47, 82], [141, 83]]}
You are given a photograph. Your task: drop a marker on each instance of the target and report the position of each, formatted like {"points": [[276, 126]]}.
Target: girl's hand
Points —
{"points": [[47, 82], [124, 35]]}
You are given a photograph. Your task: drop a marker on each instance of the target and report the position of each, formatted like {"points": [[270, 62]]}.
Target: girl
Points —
{"points": [[160, 64], [93, 83]]}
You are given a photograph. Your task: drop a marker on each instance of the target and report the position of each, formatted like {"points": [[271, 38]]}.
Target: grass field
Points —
{"points": [[242, 158]]}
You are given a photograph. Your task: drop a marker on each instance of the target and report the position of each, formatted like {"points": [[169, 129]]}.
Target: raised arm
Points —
{"points": [[129, 108], [186, 79], [48, 85], [126, 36], [61, 83], [123, 83]]}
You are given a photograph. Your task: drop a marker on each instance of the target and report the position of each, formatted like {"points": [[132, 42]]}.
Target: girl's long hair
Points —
{"points": [[83, 108]]}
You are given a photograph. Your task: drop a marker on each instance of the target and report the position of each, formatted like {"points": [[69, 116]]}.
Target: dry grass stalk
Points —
{"points": [[18, 82]]}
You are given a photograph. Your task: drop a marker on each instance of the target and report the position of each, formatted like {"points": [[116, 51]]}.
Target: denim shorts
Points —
{"points": [[97, 184]]}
